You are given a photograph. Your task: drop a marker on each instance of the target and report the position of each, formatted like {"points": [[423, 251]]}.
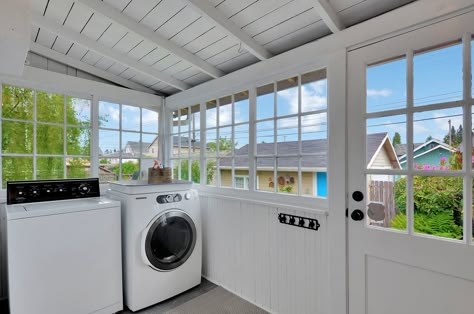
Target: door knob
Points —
{"points": [[357, 215]]}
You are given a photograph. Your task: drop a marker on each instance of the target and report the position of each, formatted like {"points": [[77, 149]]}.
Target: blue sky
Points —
{"points": [[437, 79]]}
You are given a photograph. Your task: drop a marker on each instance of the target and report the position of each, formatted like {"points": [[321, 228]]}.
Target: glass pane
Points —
{"points": [[287, 136], [211, 175], [265, 102], [131, 145], [130, 118], [109, 115], [437, 135], [108, 169], [313, 91], [225, 168], [130, 169], [211, 114], [17, 137], [287, 96], [386, 142], [49, 107], [386, 201], [225, 141], [472, 67], [17, 102], [438, 203], [49, 168], [211, 142], [49, 139], [16, 168], [184, 122], [149, 121], [78, 168], [241, 166], [78, 141], [265, 173], [438, 76], [150, 145], [145, 163], [287, 175], [195, 118], [386, 86], [241, 107], [78, 111], [265, 138], [314, 126], [311, 186], [225, 110], [195, 171], [241, 139], [109, 143], [195, 144]]}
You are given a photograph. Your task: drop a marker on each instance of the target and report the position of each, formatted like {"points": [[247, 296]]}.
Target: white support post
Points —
{"points": [[253, 184], [202, 150], [409, 181]]}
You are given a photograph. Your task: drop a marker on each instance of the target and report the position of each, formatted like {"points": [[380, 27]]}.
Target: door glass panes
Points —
{"points": [[287, 175], [438, 75], [438, 204], [287, 96], [211, 142], [149, 145], [386, 86], [386, 142], [386, 201], [109, 143], [130, 118], [49, 168], [49, 107], [78, 111], [225, 110], [225, 141], [149, 121], [50, 139], [313, 91], [265, 102], [16, 168], [265, 137], [241, 107], [211, 114], [287, 135], [265, 175], [241, 140], [437, 135], [17, 137], [17, 102], [109, 115], [78, 168]]}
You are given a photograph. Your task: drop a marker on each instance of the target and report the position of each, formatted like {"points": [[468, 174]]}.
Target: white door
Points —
{"points": [[410, 245]]}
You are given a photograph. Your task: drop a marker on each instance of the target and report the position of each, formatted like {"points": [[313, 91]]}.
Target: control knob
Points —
{"points": [[84, 188], [187, 196]]}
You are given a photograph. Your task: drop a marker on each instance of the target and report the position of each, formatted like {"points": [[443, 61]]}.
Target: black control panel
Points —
{"points": [[19, 192], [169, 198]]}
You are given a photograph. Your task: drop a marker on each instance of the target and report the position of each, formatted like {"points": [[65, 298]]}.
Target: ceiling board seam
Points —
{"points": [[218, 53], [139, 21], [147, 53], [126, 6], [37, 34], [187, 26], [135, 46], [189, 67], [214, 42], [269, 12], [69, 12], [199, 36], [88, 20], [244, 8], [296, 30], [169, 19], [281, 22]]}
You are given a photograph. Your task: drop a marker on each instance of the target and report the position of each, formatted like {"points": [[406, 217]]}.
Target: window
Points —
{"points": [[186, 144], [241, 182], [128, 141], [44, 135], [291, 134]]}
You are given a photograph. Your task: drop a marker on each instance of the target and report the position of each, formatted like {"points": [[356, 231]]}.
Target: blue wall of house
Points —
{"points": [[432, 158]]}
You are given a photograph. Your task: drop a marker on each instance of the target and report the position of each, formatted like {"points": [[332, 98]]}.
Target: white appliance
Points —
{"points": [[64, 256], [162, 250]]}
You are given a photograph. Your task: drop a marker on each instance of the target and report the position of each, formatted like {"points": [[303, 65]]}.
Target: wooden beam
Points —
{"points": [[328, 15], [67, 60], [90, 44], [209, 11], [121, 19]]}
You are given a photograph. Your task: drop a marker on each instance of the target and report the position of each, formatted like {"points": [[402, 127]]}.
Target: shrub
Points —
{"points": [[439, 225]]}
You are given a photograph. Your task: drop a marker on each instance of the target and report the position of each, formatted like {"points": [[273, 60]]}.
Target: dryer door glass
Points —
{"points": [[170, 240]]}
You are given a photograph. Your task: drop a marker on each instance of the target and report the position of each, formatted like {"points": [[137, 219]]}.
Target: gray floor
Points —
{"points": [[172, 303]]}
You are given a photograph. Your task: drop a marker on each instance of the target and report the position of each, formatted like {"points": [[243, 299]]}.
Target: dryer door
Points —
{"points": [[170, 240]]}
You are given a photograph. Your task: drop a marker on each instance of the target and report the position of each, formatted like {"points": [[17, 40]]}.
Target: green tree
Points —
{"points": [[225, 144], [456, 136], [397, 139], [195, 171], [129, 168]]}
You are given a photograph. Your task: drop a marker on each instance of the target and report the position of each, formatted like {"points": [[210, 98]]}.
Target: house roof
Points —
{"points": [[184, 141], [422, 148], [401, 149], [135, 146], [374, 141]]}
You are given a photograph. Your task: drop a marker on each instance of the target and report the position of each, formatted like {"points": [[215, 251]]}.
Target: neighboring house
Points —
{"points": [[428, 153], [380, 155], [134, 148], [195, 146]]}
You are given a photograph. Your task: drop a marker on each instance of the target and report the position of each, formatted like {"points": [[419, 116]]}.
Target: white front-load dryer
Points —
{"points": [[162, 245]]}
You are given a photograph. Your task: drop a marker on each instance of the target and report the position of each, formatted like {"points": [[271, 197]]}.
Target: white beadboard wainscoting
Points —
{"points": [[281, 268], [3, 253]]}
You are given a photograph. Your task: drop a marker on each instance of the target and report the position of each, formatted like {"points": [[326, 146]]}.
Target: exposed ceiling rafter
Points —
{"points": [[121, 19], [207, 10], [90, 44], [328, 15], [67, 60]]}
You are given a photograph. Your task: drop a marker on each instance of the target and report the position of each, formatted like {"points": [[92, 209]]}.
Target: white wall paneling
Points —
{"points": [[3, 255], [278, 267]]}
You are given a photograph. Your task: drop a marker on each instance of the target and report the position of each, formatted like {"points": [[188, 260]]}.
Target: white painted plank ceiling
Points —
{"points": [[275, 25]]}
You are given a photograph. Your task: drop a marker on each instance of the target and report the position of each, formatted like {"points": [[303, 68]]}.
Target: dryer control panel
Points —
{"points": [[169, 198]]}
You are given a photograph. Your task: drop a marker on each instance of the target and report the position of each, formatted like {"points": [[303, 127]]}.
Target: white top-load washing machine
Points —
{"points": [[162, 250], [64, 248]]}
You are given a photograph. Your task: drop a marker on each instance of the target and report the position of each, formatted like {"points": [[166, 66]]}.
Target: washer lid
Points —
{"points": [[58, 207]]}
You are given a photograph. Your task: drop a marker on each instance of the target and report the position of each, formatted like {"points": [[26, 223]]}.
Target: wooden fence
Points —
{"points": [[382, 192]]}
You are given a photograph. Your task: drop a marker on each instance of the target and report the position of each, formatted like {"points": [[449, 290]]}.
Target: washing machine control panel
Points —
{"points": [[169, 198], [19, 192]]}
